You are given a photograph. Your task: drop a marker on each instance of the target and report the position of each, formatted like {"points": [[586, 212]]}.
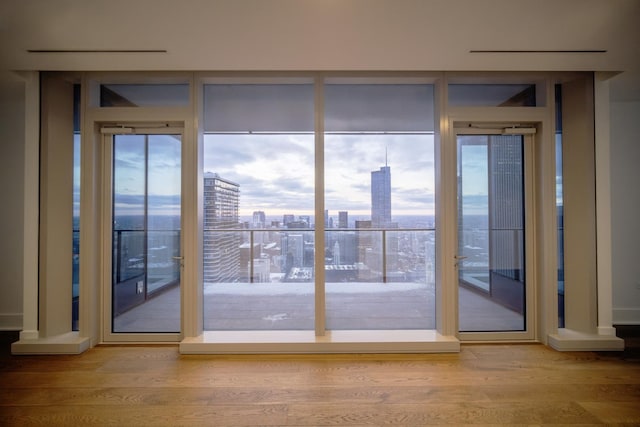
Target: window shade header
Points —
{"points": [[258, 108], [379, 108]]}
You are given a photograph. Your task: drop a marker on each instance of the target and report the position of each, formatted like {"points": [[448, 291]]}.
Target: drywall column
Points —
{"points": [[580, 224], [56, 203], [603, 204], [579, 205], [48, 280], [31, 206]]}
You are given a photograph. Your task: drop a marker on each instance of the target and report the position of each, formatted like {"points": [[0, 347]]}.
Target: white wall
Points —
{"points": [[12, 136], [625, 211]]}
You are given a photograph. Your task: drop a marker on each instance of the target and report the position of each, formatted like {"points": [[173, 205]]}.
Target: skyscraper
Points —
{"points": [[343, 219], [259, 219], [221, 260], [381, 197]]}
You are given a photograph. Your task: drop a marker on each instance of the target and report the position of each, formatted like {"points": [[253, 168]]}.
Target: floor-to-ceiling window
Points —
{"points": [[380, 204], [258, 206], [259, 216]]}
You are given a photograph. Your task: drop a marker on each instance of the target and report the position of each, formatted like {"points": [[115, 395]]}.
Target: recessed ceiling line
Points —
{"points": [[97, 50], [539, 51]]}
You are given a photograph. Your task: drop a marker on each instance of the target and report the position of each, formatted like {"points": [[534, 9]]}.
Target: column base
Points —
{"points": [[570, 340], [69, 343]]}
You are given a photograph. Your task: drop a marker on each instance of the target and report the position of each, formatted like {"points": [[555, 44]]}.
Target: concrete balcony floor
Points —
{"points": [[290, 306]]}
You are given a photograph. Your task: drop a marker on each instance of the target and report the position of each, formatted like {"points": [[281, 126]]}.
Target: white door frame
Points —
{"points": [[108, 133], [527, 131]]}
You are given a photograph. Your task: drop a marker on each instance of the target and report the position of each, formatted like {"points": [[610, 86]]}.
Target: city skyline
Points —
{"points": [[284, 165], [281, 165]]}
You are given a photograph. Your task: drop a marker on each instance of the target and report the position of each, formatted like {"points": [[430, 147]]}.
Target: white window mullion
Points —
{"points": [[320, 303]]}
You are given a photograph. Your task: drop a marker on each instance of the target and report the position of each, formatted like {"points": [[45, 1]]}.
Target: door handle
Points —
{"points": [[459, 258], [179, 258]]}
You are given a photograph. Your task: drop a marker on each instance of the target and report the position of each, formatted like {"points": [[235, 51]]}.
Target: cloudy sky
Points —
{"points": [[276, 172], [163, 169]]}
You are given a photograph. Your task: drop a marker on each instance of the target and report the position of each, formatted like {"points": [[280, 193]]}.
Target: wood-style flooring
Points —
{"points": [[482, 385]]}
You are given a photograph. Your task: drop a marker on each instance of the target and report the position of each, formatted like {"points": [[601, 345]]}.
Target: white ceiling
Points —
{"points": [[326, 35]]}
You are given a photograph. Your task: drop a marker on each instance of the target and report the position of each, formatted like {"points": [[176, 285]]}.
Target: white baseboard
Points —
{"points": [[10, 321], [626, 316]]}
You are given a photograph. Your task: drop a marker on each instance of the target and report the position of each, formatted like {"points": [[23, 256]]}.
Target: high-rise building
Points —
{"points": [[294, 250], [306, 219], [287, 218], [381, 197], [221, 252], [343, 219], [259, 219]]}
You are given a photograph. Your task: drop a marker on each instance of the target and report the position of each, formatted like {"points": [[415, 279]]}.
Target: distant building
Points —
{"points": [[293, 250], [305, 218], [259, 219], [221, 252], [343, 219], [381, 197], [287, 218]]}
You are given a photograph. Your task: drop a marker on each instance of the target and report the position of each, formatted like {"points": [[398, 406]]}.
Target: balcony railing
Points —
{"points": [[287, 255], [149, 253]]}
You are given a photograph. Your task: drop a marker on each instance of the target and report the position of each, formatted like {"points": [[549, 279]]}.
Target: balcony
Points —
{"points": [[374, 279]]}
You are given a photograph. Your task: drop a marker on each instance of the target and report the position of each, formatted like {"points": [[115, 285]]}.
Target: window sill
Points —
{"points": [[361, 341]]}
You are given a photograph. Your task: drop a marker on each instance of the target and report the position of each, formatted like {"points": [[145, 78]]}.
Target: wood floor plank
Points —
{"points": [[482, 385], [614, 412], [448, 413], [238, 395], [166, 415]]}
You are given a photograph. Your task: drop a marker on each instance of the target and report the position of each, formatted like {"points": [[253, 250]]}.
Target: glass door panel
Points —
{"points": [[146, 175], [491, 233]]}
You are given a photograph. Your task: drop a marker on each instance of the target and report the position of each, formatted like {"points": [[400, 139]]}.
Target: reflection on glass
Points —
{"points": [[75, 288], [491, 273], [146, 233], [75, 269], [559, 205]]}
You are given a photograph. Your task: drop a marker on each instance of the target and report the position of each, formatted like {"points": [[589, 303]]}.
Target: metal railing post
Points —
{"points": [[384, 256], [250, 256]]}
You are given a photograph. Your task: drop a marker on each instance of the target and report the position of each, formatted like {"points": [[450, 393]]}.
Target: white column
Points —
{"points": [[31, 205], [603, 205]]}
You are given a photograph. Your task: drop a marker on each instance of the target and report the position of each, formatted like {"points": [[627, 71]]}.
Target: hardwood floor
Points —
{"points": [[482, 385]]}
